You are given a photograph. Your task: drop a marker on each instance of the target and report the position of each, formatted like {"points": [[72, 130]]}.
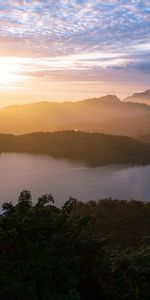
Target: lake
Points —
{"points": [[63, 178]]}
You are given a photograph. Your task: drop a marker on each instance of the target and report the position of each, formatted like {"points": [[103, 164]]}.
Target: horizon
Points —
{"points": [[76, 49], [73, 100]]}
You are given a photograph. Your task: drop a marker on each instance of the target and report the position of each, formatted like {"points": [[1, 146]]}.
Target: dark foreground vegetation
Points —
{"points": [[82, 251], [91, 148], [144, 138]]}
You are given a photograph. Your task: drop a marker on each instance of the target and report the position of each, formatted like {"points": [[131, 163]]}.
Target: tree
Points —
{"points": [[45, 199]]}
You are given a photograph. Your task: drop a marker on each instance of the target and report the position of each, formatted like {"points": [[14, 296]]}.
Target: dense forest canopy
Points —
{"points": [[81, 251], [92, 148]]}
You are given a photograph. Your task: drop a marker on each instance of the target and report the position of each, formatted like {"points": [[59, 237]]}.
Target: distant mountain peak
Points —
{"points": [[107, 114], [142, 97], [108, 99], [142, 94], [147, 91]]}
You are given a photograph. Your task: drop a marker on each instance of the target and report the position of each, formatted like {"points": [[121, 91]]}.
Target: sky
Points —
{"points": [[57, 50]]}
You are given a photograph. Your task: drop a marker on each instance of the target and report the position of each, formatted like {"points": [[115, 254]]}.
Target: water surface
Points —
{"points": [[63, 178]]}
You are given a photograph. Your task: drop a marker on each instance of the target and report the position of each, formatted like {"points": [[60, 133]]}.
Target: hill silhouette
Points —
{"points": [[106, 114], [144, 138], [91, 148], [143, 97]]}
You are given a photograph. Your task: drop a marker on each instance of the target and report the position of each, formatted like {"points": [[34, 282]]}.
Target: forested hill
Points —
{"points": [[91, 148], [144, 138]]}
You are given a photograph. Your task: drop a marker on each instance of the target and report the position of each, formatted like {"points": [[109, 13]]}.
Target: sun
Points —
{"points": [[9, 72], [8, 78]]}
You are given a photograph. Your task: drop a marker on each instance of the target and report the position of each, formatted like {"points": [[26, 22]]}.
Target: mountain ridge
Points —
{"points": [[107, 114], [141, 97], [109, 98]]}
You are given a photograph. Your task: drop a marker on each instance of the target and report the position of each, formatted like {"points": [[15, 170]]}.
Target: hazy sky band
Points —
{"points": [[68, 40]]}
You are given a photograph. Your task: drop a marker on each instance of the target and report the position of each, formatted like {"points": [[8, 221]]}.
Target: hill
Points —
{"points": [[143, 97], [92, 148], [144, 138], [105, 115]]}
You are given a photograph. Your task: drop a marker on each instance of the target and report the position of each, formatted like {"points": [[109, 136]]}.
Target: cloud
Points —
{"points": [[75, 35]]}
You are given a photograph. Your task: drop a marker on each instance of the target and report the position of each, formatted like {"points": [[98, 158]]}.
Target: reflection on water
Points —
{"points": [[62, 178]]}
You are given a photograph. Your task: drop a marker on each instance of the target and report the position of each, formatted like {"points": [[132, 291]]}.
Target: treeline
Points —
{"points": [[144, 138], [81, 251], [92, 148]]}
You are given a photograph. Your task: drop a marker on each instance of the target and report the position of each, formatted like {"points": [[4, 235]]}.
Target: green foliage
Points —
{"points": [[70, 205], [45, 199], [81, 251]]}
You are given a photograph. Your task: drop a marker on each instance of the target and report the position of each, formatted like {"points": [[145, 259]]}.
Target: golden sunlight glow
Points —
{"points": [[8, 78], [9, 72], [30, 79]]}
